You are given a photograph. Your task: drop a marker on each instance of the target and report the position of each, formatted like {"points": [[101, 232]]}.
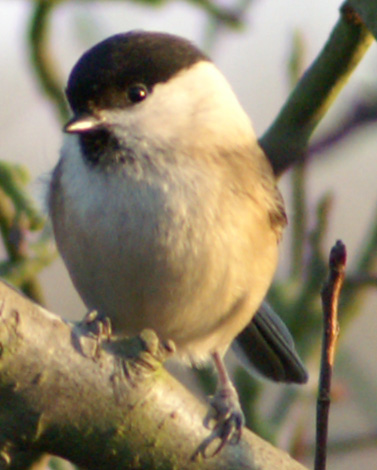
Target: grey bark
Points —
{"points": [[117, 409]]}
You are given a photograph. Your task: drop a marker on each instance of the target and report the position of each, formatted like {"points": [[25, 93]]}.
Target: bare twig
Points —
{"points": [[330, 299]]}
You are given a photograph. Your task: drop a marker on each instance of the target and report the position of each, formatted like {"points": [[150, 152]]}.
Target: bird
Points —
{"points": [[166, 210]]}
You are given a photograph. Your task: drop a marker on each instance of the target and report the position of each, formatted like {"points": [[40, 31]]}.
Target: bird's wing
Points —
{"points": [[266, 347]]}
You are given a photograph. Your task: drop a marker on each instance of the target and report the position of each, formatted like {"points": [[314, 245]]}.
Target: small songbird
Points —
{"points": [[166, 210]]}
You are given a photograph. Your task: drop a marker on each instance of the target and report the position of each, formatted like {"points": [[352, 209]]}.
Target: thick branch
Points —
{"points": [[103, 413], [286, 141]]}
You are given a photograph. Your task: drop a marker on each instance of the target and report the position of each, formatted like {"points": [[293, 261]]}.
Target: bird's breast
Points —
{"points": [[177, 252]]}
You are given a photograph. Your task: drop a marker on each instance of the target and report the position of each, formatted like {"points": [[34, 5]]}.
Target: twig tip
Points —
{"points": [[338, 256]]}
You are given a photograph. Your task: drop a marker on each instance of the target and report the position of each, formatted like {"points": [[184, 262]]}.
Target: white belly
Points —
{"points": [[190, 259]]}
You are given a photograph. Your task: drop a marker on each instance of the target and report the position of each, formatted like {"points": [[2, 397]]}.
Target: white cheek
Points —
{"points": [[197, 107]]}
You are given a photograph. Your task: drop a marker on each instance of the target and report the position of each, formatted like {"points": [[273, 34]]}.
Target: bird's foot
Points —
{"points": [[225, 410], [137, 358], [96, 327]]}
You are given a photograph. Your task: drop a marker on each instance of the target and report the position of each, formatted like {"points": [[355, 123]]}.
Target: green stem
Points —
{"points": [[285, 142], [42, 57]]}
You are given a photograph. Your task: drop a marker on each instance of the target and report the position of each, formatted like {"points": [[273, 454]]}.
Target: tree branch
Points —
{"points": [[106, 413], [286, 141]]}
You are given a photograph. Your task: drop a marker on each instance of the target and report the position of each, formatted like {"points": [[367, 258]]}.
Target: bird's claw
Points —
{"points": [[226, 411], [100, 328]]}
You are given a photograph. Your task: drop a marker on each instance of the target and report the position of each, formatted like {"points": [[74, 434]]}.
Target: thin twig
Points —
{"points": [[361, 114], [330, 299]]}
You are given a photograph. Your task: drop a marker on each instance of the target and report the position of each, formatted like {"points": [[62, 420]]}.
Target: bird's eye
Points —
{"points": [[137, 93]]}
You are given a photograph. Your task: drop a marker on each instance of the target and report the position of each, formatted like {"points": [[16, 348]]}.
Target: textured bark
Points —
{"points": [[119, 410]]}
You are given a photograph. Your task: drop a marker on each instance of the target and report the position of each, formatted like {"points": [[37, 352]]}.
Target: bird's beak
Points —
{"points": [[83, 123]]}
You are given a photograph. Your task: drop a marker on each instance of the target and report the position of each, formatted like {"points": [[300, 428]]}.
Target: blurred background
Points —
{"points": [[333, 196]]}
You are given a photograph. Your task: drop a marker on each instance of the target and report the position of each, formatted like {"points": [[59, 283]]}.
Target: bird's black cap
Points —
{"points": [[103, 74]]}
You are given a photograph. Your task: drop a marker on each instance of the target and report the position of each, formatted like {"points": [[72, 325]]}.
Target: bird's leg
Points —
{"points": [[225, 408]]}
